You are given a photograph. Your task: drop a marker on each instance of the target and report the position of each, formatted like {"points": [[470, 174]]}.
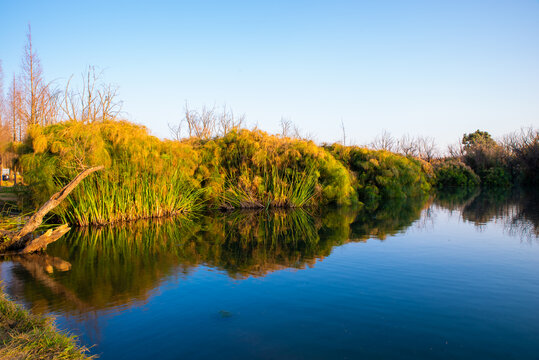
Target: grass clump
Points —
{"points": [[255, 169], [381, 175], [147, 177], [27, 336], [293, 190], [144, 176], [122, 194]]}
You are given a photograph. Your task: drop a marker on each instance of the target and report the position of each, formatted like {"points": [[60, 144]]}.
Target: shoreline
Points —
{"points": [[24, 335]]}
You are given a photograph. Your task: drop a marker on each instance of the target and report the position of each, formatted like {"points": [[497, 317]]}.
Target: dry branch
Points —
{"points": [[21, 239]]}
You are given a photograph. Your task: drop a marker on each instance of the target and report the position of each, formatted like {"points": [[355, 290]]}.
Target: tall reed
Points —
{"points": [[278, 188], [124, 194]]}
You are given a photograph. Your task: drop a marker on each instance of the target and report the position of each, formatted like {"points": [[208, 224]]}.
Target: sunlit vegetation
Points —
{"points": [[381, 175], [27, 336], [50, 133], [146, 177], [498, 164], [261, 170], [451, 173]]}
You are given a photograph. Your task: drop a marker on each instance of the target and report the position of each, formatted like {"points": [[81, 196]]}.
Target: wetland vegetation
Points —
{"points": [[219, 195]]}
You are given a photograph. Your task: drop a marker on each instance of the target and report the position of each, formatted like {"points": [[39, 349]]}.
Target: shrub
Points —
{"points": [[258, 169], [144, 176], [380, 174], [454, 173]]}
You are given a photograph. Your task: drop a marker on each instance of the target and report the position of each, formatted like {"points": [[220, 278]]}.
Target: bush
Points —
{"points": [[254, 169], [381, 175], [454, 173], [144, 176]]}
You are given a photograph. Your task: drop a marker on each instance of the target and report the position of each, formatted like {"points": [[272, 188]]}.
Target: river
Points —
{"points": [[452, 276]]}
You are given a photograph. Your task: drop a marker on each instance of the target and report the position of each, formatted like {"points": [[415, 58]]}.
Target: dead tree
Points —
{"points": [[22, 242]]}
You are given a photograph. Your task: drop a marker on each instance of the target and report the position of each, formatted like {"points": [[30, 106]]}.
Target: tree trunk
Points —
{"points": [[21, 239]]}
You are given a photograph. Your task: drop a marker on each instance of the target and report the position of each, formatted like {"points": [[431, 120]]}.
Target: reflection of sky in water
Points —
{"points": [[457, 277]]}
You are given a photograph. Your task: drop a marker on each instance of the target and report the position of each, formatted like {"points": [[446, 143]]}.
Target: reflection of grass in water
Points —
{"points": [[389, 218], [120, 264], [453, 198]]}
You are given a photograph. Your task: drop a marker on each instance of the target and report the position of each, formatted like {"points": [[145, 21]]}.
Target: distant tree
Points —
{"points": [[96, 101], [455, 150], [227, 121], [286, 127], [15, 110], [2, 96], [477, 138], [206, 123], [427, 147], [408, 146], [384, 141], [343, 133], [39, 102]]}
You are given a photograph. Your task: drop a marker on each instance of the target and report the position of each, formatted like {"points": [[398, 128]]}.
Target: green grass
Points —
{"points": [[146, 177], [27, 336], [278, 190], [122, 194]]}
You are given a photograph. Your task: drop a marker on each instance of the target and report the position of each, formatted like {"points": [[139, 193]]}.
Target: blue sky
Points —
{"points": [[436, 68]]}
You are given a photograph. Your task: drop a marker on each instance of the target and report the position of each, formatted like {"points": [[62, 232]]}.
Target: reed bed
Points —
{"points": [[122, 194], [280, 189], [146, 177]]}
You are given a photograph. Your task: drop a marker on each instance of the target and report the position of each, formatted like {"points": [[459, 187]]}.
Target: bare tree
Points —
{"points": [[227, 121], [14, 113], [206, 123], [39, 101], [408, 146], [286, 127], [96, 101], [427, 147], [455, 150], [176, 130], [200, 124], [343, 133], [384, 141], [515, 141], [289, 129], [2, 97]]}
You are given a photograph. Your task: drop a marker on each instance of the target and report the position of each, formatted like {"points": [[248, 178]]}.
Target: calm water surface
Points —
{"points": [[453, 277]]}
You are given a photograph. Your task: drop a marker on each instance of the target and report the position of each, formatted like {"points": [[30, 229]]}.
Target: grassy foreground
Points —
{"points": [[27, 336]]}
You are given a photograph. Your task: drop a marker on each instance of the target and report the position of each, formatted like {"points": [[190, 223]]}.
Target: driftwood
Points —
{"points": [[21, 241]]}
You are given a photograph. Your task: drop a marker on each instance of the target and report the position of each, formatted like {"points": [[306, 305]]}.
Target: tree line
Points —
{"points": [[27, 99]]}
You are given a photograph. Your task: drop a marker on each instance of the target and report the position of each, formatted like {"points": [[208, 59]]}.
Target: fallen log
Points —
{"points": [[22, 242]]}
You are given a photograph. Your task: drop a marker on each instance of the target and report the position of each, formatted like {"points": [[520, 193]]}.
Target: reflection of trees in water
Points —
{"points": [[516, 209], [96, 270], [119, 266]]}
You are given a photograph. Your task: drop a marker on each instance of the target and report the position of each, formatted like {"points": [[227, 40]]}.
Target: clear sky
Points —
{"points": [[437, 68]]}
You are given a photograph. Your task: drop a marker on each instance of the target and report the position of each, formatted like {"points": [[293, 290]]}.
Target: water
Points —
{"points": [[454, 277]]}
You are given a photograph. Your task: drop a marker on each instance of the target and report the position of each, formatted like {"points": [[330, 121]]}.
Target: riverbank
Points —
{"points": [[146, 177], [27, 336]]}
